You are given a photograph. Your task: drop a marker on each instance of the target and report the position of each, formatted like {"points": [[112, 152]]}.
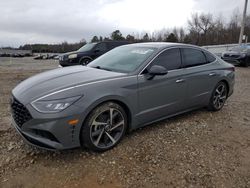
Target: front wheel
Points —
{"points": [[219, 97], [245, 62], [104, 127], [84, 61]]}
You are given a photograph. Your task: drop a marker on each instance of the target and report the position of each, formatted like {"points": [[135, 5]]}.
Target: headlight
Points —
{"points": [[72, 56], [53, 106], [243, 55]]}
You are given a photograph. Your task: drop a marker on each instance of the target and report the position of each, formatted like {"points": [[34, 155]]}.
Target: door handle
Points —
{"points": [[212, 74], [179, 81]]}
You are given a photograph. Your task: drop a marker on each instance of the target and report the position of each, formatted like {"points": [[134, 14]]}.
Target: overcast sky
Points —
{"points": [[54, 21]]}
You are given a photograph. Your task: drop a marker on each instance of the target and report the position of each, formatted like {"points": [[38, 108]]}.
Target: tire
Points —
{"points": [[245, 62], [219, 97], [84, 61], [99, 133]]}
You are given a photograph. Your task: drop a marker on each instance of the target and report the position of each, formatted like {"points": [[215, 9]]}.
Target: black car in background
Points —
{"points": [[88, 52], [238, 55]]}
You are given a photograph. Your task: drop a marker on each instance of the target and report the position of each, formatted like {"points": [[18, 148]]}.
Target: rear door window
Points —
{"points": [[210, 58], [193, 57]]}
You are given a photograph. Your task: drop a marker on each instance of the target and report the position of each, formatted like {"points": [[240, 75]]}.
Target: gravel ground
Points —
{"points": [[198, 149]]}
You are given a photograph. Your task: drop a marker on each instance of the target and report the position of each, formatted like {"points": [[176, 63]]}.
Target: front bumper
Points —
{"points": [[69, 62], [46, 135], [36, 141], [51, 133], [234, 60]]}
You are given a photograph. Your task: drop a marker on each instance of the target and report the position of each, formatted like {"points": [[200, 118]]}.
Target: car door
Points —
{"points": [[163, 95], [200, 76], [100, 49]]}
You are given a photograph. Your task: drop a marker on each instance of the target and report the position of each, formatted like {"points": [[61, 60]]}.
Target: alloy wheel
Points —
{"points": [[107, 128], [84, 62], [220, 96]]}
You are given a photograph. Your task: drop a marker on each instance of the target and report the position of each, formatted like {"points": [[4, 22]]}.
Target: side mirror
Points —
{"points": [[156, 70]]}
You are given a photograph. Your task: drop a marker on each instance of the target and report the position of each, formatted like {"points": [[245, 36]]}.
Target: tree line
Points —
{"points": [[202, 29], [53, 48]]}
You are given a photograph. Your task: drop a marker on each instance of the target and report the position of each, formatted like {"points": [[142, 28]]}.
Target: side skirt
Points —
{"points": [[166, 117]]}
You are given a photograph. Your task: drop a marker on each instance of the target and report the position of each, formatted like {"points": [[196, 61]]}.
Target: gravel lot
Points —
{"points": [[198, 149]]}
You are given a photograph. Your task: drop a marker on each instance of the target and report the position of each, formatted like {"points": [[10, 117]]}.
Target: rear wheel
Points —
{"points": [[219, 97], [104, 127]]}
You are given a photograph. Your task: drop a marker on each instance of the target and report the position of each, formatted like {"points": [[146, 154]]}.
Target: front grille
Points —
{"points": [[235, 56], [19, 112]]}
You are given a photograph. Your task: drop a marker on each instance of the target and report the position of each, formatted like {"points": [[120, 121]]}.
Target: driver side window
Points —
{"points": [[101, 47], [170, 59]]}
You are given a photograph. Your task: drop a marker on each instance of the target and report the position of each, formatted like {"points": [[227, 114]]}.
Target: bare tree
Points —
{"points": [[194, 28], [205, 23]]}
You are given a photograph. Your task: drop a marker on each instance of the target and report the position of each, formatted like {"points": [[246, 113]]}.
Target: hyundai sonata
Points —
{"points": [[124, 89]]}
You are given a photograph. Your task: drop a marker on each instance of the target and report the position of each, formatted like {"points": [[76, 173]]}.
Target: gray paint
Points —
{"points": [[147, 100]]}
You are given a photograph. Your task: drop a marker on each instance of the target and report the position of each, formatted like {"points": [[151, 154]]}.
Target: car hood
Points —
{"points": [[57, 79], [232, 53], [75, 52]]}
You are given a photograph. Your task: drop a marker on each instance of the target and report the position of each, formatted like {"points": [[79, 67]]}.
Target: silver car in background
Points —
{"points": [[129, 87]]}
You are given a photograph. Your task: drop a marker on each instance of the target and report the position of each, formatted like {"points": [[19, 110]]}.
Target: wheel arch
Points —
{"points": [[116, 99], [85, 57]]}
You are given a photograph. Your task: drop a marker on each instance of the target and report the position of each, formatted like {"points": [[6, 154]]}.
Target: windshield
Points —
{"points": [[123, 59], [87, 47], [240, 48]]}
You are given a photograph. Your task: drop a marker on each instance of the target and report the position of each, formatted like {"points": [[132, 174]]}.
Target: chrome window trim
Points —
{"points": [[181, 47]]}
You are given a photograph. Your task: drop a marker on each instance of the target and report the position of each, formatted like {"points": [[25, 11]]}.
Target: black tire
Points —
{"points": [[245, 62], [84, 61], [218, 97], [99, 124]]}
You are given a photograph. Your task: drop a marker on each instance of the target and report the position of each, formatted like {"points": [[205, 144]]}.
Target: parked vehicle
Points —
{"points": [[47, 56], [88, 52], [40, 56], [124, 89], [238, 55]]}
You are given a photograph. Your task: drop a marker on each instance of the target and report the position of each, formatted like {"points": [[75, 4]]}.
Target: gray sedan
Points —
{"points": [[129, 87]]}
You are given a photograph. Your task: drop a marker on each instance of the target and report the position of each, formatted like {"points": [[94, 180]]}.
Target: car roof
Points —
{"points": [[161, 45], [114, 41]]}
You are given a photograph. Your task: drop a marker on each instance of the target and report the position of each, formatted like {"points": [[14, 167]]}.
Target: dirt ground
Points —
{"points": [[198, 149]]}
